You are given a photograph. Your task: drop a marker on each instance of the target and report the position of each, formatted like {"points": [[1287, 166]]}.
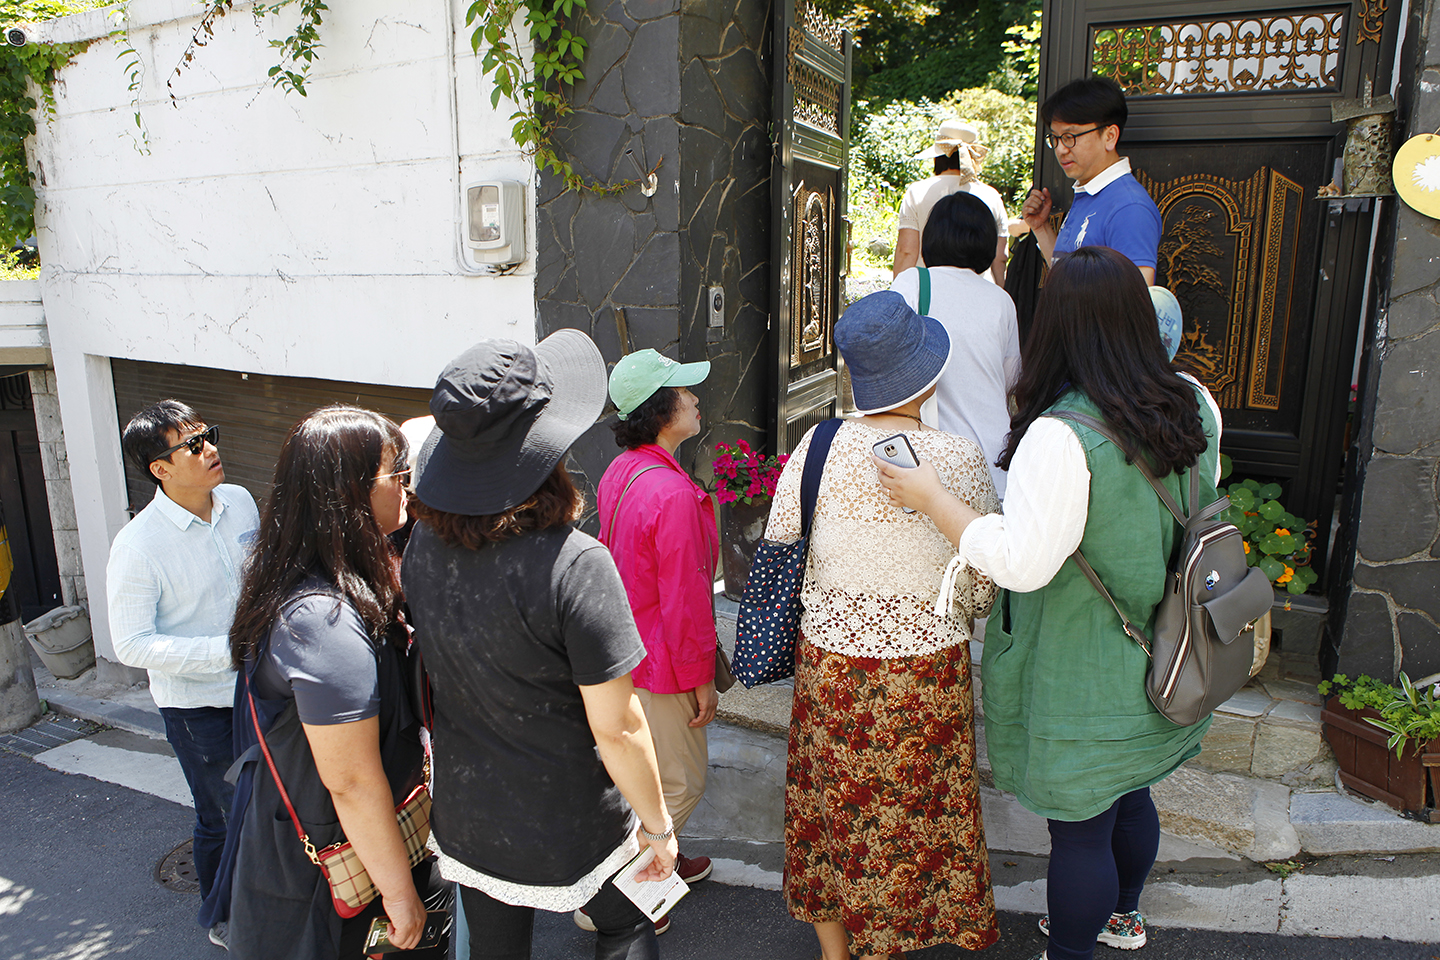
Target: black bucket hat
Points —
{"points": [[505, 414]]}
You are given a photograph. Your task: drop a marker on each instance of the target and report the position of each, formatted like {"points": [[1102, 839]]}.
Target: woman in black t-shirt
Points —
{"points": [[545, 777], [319, 634]]}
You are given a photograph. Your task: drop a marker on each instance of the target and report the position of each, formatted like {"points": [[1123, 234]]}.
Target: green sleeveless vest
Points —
{"points": [[1067, 723]]}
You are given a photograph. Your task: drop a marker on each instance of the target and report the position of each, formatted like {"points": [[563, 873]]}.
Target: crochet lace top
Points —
{"points": [[874, 571]]}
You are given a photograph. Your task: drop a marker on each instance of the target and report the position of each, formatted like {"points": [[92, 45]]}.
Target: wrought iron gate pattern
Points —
{"points": [[1293, 50], [812, 112]]}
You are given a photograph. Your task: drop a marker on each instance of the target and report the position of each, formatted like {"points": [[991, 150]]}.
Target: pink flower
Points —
{"points": [[742, 446], [725, 495]]}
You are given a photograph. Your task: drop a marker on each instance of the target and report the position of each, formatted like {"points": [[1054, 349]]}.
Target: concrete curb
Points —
{"points": [[112, 714]]}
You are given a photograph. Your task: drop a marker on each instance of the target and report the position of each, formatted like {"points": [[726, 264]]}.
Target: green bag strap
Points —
{"points": [[924, 310]]}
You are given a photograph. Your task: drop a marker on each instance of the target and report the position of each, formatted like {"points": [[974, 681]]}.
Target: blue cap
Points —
{"points": [[1172, 324]]}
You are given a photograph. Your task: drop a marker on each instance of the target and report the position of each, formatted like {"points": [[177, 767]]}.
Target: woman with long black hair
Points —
{"points": [[1069, 728], [319, 634]]}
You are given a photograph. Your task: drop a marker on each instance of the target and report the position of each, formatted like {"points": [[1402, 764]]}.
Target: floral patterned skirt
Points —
{"points": [[882, 811]]}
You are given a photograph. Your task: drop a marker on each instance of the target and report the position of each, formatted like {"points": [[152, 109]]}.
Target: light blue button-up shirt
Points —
{"points": [[172, 582]]}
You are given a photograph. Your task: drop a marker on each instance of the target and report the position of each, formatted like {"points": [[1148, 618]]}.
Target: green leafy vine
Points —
{"points": [[537, 87], [297, 51], [38, 62]]}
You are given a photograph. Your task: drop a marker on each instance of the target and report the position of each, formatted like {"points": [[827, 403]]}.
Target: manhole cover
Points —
{"points": [[176, 870]]}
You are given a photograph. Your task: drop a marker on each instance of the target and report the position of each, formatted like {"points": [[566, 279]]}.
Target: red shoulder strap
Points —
{"points": [[284, 796]]}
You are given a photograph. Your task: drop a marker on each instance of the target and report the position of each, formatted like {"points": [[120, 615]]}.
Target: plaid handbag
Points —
{"points": [[769, 621], [350, 886]]}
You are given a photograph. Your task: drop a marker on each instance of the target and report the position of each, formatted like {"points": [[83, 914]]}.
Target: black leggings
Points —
{"points": [[1098, 867], [499, 931]]}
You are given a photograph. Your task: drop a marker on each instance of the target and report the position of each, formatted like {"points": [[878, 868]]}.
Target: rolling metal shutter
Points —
{"points": [[254, 412]]}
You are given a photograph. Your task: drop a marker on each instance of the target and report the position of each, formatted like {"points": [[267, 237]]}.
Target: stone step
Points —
{"points": [[1219, 812]]}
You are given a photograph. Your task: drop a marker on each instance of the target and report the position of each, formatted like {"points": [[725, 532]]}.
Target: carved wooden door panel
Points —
{"points": [[812, 111], [1230, 132]]}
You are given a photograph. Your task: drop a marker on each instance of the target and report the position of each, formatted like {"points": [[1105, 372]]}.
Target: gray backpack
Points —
{"points": [[1198, 658]]}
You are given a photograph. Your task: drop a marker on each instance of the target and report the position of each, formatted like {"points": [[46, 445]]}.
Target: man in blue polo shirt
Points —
{"points": [[1084, 120]]}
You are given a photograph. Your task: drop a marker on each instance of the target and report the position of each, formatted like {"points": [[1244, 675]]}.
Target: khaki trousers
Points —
{"points": [[681, 751]]}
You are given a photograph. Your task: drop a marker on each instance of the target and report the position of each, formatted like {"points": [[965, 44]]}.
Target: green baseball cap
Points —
{"points": [[638, 375]]}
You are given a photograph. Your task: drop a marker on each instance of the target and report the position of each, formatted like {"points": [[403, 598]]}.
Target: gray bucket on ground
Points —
{"points": [[62, 639]]}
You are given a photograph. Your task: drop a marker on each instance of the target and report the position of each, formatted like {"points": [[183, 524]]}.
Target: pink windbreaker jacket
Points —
{"points": [[665, 544]]}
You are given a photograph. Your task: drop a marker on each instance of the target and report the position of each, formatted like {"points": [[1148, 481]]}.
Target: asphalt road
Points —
{"points": [[78, 857]]}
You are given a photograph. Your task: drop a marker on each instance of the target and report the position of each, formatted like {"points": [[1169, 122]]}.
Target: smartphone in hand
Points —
{"points": [[378, 939], [897, 450]]}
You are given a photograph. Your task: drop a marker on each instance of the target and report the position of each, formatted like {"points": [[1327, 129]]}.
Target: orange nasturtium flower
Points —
{"points": [[1247, 546], [1286, 576], [1281, 532]]}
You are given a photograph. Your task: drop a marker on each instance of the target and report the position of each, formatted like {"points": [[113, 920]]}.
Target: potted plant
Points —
{"points": [[1276, 541], [744, 484], [1384, 738]]}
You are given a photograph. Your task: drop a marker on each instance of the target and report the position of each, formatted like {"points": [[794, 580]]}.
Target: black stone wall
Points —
{"points": [[1392, 618], [685, 84]]}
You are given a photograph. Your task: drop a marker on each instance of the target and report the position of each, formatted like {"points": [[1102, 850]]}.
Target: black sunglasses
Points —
{"points": [[196, 443]]}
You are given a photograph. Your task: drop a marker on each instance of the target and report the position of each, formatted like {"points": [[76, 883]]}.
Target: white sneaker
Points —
{"points": [[1123, 931], [220, 935]]}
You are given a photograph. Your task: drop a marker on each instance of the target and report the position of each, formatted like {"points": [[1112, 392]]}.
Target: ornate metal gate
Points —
{"points": [[1230, 131], [812, 122]]}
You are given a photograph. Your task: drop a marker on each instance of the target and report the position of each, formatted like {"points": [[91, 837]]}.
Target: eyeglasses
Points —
{"points": [[1054, 139], [403, 472], [210, 435]]}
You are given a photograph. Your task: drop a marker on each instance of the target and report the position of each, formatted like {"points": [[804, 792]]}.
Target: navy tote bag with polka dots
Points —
{"points": [[770, 607]]}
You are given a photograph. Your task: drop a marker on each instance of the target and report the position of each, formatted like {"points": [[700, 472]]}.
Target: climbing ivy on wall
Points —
{"points": [[538, 86], [297, 51], [38, 62]]}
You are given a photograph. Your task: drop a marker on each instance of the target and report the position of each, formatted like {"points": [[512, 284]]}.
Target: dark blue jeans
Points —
{"points": [[202, 743], [1098, 867]]}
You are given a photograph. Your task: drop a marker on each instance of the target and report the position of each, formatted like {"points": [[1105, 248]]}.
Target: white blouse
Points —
{"points": [[1046, 506]]}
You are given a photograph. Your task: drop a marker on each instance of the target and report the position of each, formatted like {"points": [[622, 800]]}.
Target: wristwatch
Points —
{"points": [[659, 837]]}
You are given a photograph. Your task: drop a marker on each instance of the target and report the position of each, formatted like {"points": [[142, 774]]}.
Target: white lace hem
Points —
{"points": [[556, 899]]}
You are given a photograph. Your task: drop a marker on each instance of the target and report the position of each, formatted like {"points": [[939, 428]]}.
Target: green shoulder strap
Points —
{"points": [[924, 310]]}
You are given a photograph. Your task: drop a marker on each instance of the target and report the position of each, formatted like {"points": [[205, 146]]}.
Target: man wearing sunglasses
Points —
{"points": [[172, 584], [1083, 121]]}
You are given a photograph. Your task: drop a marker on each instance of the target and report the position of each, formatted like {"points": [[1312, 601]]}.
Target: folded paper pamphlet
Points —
{"points": [[653, 897]]}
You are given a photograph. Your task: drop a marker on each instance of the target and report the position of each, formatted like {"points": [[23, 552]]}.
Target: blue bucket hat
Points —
{"points": [[893, 353]]}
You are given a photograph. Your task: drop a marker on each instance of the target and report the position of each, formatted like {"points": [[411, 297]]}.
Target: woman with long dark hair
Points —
{"points": [[1070, 730], [320, 637], [545, 776]]}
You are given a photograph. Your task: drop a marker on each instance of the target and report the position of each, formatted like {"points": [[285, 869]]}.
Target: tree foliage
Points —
{"points": [[36, 62], [882, 146], [908, 50]]}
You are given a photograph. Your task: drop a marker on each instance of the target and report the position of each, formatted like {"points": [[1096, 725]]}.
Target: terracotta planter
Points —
{"points": [[1430, 757], [1370, 768], [742, 526]]}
